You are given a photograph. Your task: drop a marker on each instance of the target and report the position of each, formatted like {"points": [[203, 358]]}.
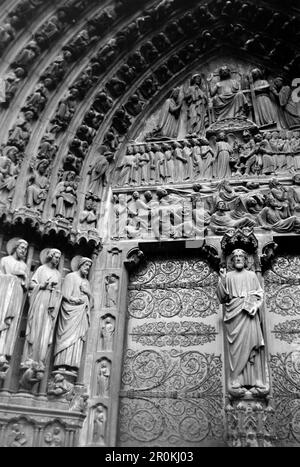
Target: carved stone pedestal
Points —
{"points": [[250, 422], [45, 424]]}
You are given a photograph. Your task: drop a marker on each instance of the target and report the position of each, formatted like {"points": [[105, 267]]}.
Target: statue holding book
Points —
{"points": [[242, 295]]}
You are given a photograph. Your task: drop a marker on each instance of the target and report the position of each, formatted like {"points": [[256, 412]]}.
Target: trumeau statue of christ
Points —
{"points": [[242, 295]]}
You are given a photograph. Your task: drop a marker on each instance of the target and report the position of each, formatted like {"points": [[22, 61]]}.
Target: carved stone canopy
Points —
{"points": [[239, 238]]}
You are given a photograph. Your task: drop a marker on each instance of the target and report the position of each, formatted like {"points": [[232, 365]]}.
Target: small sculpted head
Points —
{"points": [[48, 437], [42, 166], [58, 378], [296, 179], [196, 79], [109, 323], [246, 136], [175, 94], [53, 257], [271, 201], [222, 136], [148, 196], [239, 258], [247, 231], [258, 137], [89, 204], [230, 232], [221, 206], [256, 74], [20, 249], [161, 193], [278, 83], [19, 72], [224, 72], [85, 266], [268, 135], [29, 115], [252, 185], [130, 150]]}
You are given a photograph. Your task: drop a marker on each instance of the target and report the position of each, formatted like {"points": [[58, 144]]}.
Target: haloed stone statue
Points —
{"points": [[45, 298], [227, 97], [13, 284], [74, 316], [242, 295]]}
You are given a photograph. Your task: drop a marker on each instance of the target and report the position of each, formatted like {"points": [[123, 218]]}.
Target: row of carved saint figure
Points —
{"points": [[50, 299], [194, 159]]}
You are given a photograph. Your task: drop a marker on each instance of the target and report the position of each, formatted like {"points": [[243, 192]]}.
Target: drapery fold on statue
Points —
{"points": [[230, 105], [13, 274], [168, 123], [42, 313], [242, 295], [73, 322], [11, 298]]}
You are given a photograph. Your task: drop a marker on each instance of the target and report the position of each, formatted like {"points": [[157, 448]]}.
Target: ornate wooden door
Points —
{"points": [[172, 391], [282, 289]]}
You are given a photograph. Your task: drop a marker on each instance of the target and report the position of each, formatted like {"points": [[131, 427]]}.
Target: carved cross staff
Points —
{"points": [[211, 113], [253, 97]]}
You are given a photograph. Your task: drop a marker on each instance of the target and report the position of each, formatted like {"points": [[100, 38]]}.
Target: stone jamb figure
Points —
{"points": [[74, 316], [242, 295], [13, 285], [45, 299]]}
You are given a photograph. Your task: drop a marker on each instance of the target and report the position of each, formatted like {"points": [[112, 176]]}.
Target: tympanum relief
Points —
{"points": [[220, 96], [175, 213], [251, 153]]}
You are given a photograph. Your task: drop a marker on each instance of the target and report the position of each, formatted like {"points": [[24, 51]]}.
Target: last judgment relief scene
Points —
{"points": [[149, 223]]}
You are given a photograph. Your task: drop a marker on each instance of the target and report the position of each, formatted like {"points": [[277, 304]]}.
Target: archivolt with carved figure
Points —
{"points": [[148, 141]]}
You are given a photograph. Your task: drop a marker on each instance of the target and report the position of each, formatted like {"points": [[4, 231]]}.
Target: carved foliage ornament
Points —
{"points": [[282, 286], [173, 288], [183, 334], [171, 397], [285, 370]]}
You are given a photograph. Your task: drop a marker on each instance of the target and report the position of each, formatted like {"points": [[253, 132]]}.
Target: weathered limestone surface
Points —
{"points": [[149, 223]]}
